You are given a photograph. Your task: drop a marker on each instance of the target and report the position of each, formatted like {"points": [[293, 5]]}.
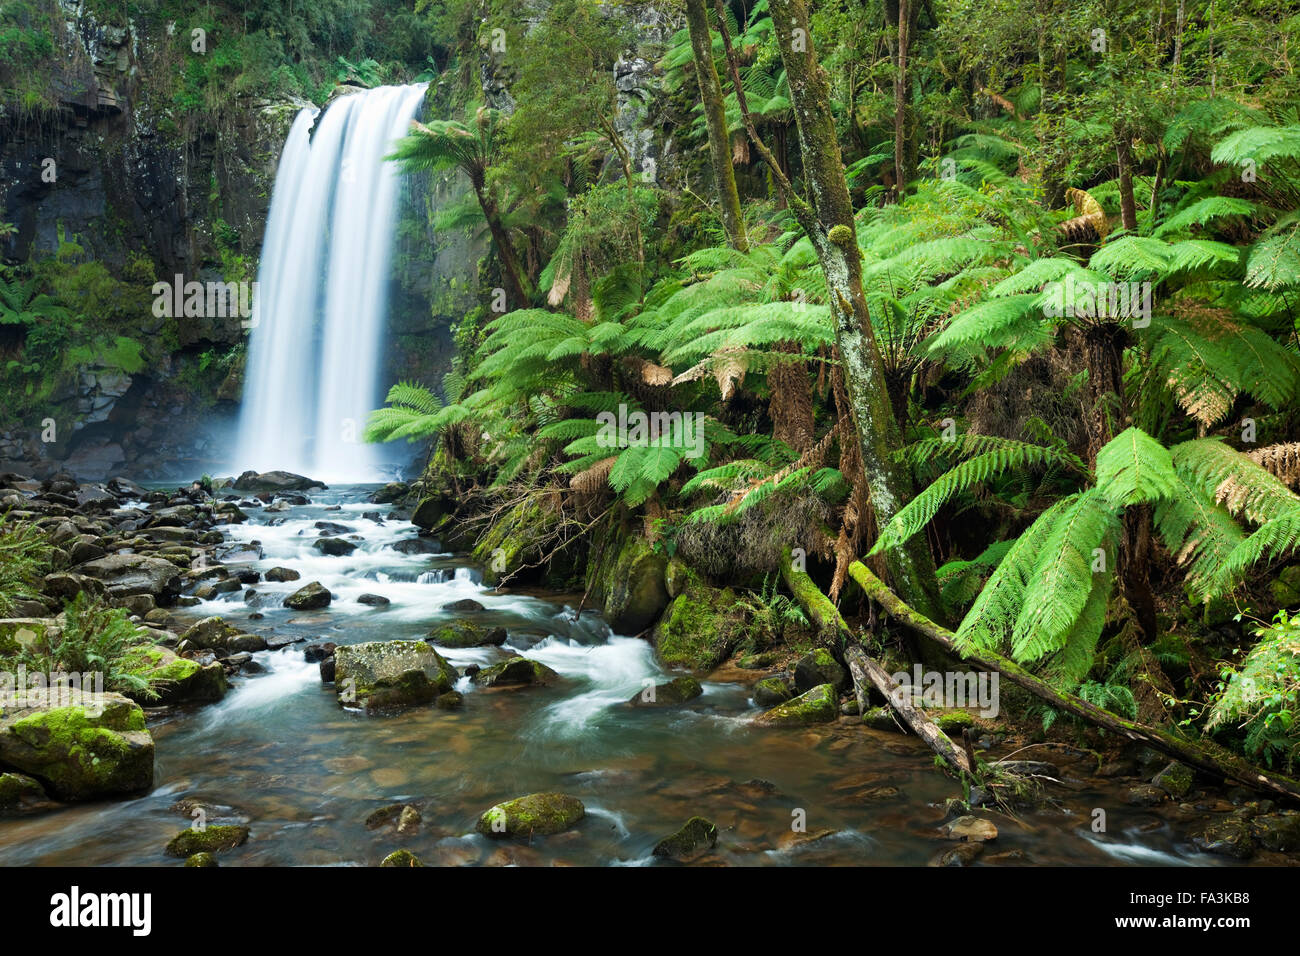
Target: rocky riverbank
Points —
{"points": [[166, 558]]}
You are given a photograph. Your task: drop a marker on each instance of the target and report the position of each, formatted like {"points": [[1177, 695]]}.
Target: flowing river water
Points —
{"points": [[279, 754]]}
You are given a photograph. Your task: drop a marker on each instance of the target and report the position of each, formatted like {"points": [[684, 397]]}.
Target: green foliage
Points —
{"points": [[94, 638], [1261, 695], [24, 558]]}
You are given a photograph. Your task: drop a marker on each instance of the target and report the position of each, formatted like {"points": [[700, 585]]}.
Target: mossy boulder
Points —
{"points": [[211, 633], [880, 718], [95, 748], [953, 722], [429, 511], [818, 706], [517, 671], [462, 634], [819, 667], [174, 679], [1228, 837], [773, 690], [1277, 831], [1175, 780], [20, 793], [698, 629], [537, 814], [309, 597], [677, 691], [696, 837], [201, 859], [631, 585], [390, 675], [1285, 588], [516, 546], [211, 839]]}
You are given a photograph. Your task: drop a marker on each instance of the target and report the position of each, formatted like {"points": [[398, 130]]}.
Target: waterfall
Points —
{"points": [[319, 316]]}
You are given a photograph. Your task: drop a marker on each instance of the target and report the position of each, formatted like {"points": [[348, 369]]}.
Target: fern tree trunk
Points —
{"points": [[1104, 346], [715, 118], [511, 269], [827, 218]]}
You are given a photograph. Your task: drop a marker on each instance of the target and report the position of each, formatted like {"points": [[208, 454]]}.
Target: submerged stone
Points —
{"points": [[696, 837], [677, 691]]}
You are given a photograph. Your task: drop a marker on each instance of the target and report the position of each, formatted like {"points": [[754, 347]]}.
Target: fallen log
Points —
{"points": [[864, 670], [1204, 755]]}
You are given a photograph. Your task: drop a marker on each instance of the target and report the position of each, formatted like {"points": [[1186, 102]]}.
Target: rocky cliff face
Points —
{"points": [[117, 176]]}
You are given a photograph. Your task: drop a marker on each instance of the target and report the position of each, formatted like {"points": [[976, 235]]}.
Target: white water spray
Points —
{"points": [[319, 317]]}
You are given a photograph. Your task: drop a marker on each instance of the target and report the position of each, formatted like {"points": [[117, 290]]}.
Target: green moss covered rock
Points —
{"points": [[698, 629], [953, 722], [381, 676], [819, 667], [401, 858], [537, 814], [1175, 780], [201, 859], [19, 793], [175, 679], [696, 837], [817, 706], [515, 545], [211, 839], [677, 691], [773, 690], [517, 671], [632, 585], [461, 634], [93, 749]]}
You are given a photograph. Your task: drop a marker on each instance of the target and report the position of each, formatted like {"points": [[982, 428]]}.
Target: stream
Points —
{"points": [[280, 755]]}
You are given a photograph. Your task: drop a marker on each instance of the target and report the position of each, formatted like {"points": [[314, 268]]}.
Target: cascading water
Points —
{"points": [[319, 315]]}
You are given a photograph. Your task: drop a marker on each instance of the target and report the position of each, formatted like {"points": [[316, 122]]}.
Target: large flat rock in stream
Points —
{"points": [[126, 574], [384, 676], [255, 482]]}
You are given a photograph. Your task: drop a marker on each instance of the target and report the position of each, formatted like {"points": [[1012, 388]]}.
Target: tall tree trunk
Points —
{"points": [[902, 174], [828, 222], [511, 270], [715, 118], [1127, 204], [1180, 23], [1051, 79]]}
